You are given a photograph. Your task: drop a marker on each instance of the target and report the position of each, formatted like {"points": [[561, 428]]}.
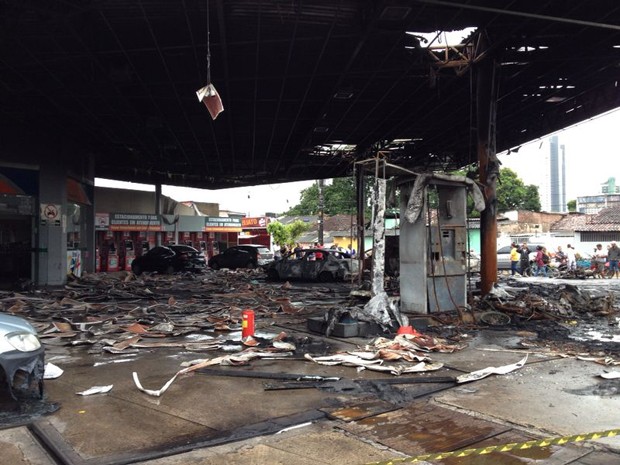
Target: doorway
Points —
{"points": [[15, 251]]}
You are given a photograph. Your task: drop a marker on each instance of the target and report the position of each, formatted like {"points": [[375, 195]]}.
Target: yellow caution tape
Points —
{"points": [[504, 448]]}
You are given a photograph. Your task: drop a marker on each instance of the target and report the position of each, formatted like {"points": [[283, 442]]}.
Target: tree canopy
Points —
{"points": [[513, 194], [286, 234], [338, 198]]}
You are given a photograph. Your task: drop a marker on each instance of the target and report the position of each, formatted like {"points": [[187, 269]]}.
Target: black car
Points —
{"points": [[169, 260], [242, 256]]}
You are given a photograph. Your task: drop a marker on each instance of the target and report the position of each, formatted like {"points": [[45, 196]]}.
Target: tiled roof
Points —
{"points": [[339, 223], [606, 220], [609, 215], [570, 222]]}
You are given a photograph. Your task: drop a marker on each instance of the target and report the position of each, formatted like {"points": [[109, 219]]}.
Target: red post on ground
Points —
{"points": [[247, 323]]}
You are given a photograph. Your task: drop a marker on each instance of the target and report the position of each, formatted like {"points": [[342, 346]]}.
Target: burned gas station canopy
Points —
{"points": [[308, 87]]}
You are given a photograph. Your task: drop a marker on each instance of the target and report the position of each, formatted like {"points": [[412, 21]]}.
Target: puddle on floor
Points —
{"points": [[607, 387], [606, 332]]}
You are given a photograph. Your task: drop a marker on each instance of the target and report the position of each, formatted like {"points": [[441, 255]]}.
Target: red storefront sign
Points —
{"points": [[259, 222]]}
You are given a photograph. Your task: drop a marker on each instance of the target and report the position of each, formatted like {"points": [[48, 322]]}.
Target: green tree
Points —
{"points": [[338, 198], [308, 202], [571, 205], [286, 234], [513, 194]]}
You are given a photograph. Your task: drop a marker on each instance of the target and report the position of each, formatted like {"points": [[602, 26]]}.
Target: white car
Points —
{"points": [[503, 255], [21, 354]]}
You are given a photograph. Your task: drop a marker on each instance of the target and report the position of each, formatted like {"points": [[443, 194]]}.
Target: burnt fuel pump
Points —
{"points": [[446, 268]]}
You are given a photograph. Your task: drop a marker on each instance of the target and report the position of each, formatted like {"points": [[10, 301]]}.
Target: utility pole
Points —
{"points": [[321, 208]]}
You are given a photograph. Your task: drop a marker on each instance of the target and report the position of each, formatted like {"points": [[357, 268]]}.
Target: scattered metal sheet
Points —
{"points": [[480, 374], [96, 390], [233, 359], [52, 371], [375, 364]]}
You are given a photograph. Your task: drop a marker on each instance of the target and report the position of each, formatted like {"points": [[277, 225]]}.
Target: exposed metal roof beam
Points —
{"points": [[307, 91], [228, 114], [282, 86], [522, 14], [174, 88]]}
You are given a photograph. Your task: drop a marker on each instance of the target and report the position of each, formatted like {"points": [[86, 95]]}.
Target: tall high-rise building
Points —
{"points": [[557, 177]]}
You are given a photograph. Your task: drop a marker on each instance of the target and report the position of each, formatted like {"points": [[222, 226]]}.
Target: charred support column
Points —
{"points": [[321, 214], [378, 239], [486, 103], [359, 180], [158, 235]]}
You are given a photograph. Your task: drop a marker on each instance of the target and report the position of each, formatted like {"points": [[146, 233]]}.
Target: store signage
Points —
{"points": [[260, 222], [134, 222], [222, 224]]}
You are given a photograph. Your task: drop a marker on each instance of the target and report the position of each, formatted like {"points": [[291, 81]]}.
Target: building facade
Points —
{"points": [[608, 197]]}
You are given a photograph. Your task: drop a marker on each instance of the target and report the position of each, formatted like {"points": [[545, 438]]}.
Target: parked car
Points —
{"points": [[313, 265], [242, 256], [21, 355], [169, 260], [503, 255]]}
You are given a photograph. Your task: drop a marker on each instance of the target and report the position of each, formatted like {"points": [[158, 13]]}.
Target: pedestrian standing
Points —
{"points": [[571, 259], [600, 258], [524, 262], [298, 250], [560, 257], [541, 266], [515, 258], [613, 255]]}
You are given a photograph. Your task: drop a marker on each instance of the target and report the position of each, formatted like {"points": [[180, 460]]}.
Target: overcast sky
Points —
{"points": [[592, 155], [253, 200]]}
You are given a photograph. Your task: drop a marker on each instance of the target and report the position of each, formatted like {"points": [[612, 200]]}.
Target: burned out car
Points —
{"points": [[312, 265], [169, 260], [22, 357], [242, 256]]}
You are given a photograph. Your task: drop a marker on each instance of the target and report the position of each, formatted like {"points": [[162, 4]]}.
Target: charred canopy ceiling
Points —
{"points": [[308, 87]]}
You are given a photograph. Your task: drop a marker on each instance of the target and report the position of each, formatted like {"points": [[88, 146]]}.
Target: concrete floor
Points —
{"points": [[209, 419]]}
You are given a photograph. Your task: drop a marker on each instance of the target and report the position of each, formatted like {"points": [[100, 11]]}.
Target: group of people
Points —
{"points": [[602, 256], [520, 259], [316, 253]]}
